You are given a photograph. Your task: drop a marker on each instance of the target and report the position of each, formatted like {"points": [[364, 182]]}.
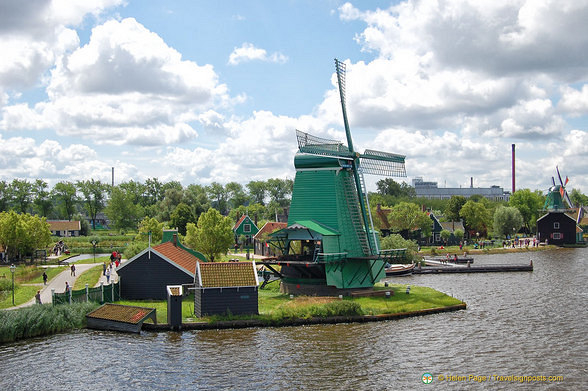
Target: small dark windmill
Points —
{"points": [[329, 214]]}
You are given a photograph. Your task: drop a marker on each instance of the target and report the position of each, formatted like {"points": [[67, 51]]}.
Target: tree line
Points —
{"points": [[128, 203], [480, 215]]}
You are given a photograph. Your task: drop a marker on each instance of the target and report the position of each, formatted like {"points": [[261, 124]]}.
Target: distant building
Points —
{"points": [[64, 228], [431, 190], [260, 244]]}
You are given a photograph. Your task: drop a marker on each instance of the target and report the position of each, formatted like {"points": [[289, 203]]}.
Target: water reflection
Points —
{"points": [[516, 324]]}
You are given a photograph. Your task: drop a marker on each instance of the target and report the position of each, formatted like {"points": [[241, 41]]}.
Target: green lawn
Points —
{"points": [[90, 277], [275, 306]]}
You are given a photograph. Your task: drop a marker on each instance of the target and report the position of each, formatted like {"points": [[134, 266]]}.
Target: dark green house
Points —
{"points": [[245, 226]]}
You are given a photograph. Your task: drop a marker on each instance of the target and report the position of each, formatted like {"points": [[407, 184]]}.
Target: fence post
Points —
{"points": [[102, 291], [70, 289], [112, 297], [53, 296], [87, 294]]}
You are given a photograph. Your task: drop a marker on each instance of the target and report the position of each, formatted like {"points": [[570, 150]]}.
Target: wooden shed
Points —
{"points": [[260, 240], [557, 227], [226, 287], [147, 274]]}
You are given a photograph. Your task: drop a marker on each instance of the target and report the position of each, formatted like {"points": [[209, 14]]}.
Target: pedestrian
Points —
{"points": [[38, 297], [107, 276], [66, 287], [73, 270], [44, 278], [103, 268]]}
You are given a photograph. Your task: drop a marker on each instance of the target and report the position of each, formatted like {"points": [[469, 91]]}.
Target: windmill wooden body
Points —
{"points": [[330, 243]]}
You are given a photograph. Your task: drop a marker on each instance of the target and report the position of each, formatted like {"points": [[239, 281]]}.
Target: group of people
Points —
{"points": [[115, 259]]}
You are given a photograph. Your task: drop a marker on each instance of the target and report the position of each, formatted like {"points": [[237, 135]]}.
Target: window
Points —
{"points": [[556, 235], [556, 225], [247, 228]]}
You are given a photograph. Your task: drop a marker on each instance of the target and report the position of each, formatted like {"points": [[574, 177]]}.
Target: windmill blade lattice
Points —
{"points": [[382, 163], [308, 143]]}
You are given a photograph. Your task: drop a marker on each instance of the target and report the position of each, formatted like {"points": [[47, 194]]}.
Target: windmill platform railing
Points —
{"points": [[331, 257], [393, 255]]}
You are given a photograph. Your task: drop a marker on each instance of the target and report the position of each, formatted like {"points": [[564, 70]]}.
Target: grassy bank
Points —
{"points": [[40, 320], [276, 307]]}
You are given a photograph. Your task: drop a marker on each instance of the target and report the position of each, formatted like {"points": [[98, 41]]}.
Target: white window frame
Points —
{"points": [[556, 225], [556, 235], [247, 228]]}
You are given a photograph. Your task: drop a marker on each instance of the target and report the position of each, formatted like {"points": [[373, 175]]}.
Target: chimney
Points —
{"points": [[472, 182], [513, 169], [175, 240]]}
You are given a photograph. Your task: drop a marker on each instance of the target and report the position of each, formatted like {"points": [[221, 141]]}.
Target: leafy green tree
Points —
{"points": [[42, 197], [476, 216], [407, 217], [529, 204], [280, 190], [173, 197], [4, 196], [150, 224], [218, 195], [577, 198], [445, 235], [196, 197], [122, 209], [136, 192], [21, 234], [257, 191], [454, 206], [507, 220], [389, 186], [154, 191], [65, 195], [236, 195], [181, 216], [84, 225], [396, 241], [22, 195], [94, 195], [212, 236], [458, 233]]}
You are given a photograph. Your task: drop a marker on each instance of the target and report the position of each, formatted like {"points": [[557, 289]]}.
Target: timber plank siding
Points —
{"points": [[222, 301], [145, 278], [557, 228]]}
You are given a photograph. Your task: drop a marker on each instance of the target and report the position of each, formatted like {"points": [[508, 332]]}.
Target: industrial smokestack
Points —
{"points": [[112, 176], [471, 182], [513, 169]]}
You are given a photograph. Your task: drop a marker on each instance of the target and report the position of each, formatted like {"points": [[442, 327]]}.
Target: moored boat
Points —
{"points": [[399, 269]]}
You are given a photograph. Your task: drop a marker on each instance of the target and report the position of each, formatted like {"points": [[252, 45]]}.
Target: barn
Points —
{"points": [[557, 227], [226, 287], [146, 275]]}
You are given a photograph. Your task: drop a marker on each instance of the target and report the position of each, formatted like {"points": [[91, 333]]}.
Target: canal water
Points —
{"points": [[517, 325]]}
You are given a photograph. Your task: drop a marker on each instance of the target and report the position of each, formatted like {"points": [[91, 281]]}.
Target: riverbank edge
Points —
{"points": [[248, 323]]}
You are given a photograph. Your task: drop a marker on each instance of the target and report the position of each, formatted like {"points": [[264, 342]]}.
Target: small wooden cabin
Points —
{"points": [[64, 228], [226, 287], [147, 274]]}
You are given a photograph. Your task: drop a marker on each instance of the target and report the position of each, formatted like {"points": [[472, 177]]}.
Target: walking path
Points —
{"points": [[58, 283]]}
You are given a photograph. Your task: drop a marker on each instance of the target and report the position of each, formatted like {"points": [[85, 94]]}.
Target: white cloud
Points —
{"points": [[574, 102], [248, 52]]}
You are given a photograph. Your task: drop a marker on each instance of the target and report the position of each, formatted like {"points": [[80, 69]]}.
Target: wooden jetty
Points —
{"points": [[438, 269]]}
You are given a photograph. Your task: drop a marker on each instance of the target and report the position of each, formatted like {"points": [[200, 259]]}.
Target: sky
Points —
{"points": [[213, 91]]}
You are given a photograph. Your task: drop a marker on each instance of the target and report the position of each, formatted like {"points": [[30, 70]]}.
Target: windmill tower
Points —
{"points": [[330, 243], [557, 195]]}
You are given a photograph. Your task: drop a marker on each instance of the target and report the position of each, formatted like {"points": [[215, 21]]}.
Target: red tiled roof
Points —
{"points": [[238, 223], [178, 255], [227, 274], [270, 227], [64, 225]]}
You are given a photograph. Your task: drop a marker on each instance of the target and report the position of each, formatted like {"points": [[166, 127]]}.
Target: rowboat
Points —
{"points": [[399, 270]]}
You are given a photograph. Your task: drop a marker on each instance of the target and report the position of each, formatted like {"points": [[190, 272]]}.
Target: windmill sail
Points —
{"points": [[308, 143], [382, 163]]}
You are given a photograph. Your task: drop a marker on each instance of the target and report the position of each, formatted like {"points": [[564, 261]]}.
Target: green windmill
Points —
{"points": [[330, 244]]}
